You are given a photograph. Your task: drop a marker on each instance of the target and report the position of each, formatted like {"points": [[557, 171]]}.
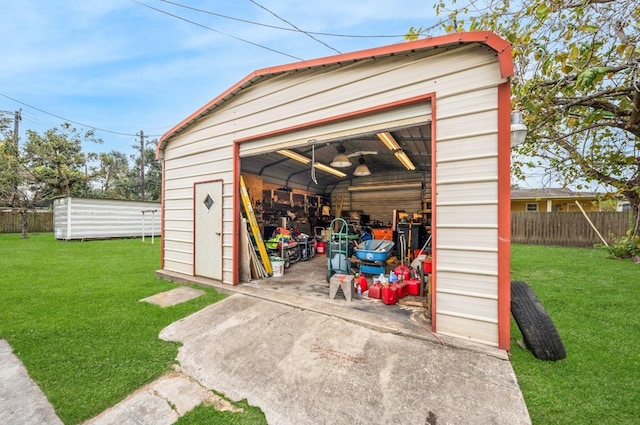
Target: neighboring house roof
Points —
{"points": [[550, 193], [502, 48]]}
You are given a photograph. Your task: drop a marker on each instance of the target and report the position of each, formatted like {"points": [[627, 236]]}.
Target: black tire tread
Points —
{"points": [[540, 334]]}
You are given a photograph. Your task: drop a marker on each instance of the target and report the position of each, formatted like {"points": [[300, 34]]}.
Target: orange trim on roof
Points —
{"points": [[501, 46]]}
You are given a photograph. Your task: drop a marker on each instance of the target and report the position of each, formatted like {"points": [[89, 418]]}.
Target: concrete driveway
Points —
{"points": [[303, 367]]}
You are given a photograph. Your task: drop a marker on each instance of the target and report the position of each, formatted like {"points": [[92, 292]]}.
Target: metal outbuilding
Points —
{"points": [[93, 218], [446, 100]]}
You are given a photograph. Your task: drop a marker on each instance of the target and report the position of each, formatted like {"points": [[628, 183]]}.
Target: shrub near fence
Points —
{"points": [[569, 228], [39, 222]]}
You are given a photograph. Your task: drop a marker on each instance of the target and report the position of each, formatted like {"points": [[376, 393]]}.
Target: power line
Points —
{"points": [[246, 21], [72, 121], [471, 4], [302, 31], [217, 31]]}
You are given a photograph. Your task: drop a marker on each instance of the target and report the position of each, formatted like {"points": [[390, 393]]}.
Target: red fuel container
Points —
{"points": [[362, 280], [389, 294], [375, 291], [403, 288], [403, 271], [413, 286]]}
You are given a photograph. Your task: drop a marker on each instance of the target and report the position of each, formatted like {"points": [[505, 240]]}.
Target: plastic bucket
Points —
{"points": [[277, 264], [419, 252], [427, 266], [320, 248]]}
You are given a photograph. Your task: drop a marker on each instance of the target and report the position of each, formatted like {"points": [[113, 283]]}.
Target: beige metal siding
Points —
{"points": [[466, 203], [465, 81]]}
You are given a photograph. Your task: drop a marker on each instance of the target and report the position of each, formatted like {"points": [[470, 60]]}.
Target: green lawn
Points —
{"points": [[70, 311], [593, 302]]}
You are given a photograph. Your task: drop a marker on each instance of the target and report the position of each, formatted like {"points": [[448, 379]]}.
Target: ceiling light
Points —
{"points": [[330, 170], [404, 159], [362, 169], [294, 155], [518, 129], [393, 146], [341, 160], [388, 141]]}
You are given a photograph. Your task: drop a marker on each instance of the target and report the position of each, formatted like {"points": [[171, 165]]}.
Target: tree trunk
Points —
{"points": [[634, 201], [24, 223]]}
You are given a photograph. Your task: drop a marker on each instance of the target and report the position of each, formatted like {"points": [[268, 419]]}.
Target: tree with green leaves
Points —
{"points": [[57, 161], [577, 83], [109, 178], [49, 165], [17, 189]]}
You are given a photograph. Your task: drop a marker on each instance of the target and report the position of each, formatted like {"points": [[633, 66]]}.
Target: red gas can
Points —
{"points": [[403, 288], [362, 280], [402, 272], [375, 291], [320, 247], [413, 286], [389, 294]]}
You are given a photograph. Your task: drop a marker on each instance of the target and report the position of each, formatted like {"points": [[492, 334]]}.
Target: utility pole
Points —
{"points": [[142, 136], [17, 117]]}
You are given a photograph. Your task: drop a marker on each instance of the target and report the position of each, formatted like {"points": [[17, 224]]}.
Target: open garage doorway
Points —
{"points": [[377, 182]]}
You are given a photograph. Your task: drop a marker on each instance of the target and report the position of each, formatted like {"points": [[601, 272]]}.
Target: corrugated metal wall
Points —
{"points": [[466, 204], [83, 218], [380, 203]]}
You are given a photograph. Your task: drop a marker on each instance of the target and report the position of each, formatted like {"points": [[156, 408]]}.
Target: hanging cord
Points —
{"points": [[313, 164]]}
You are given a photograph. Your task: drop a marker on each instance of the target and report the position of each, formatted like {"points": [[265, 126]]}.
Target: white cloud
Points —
{"points": [[117, 65]]}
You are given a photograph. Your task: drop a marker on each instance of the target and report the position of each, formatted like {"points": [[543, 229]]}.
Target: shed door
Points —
{"points": [[208, 229]]}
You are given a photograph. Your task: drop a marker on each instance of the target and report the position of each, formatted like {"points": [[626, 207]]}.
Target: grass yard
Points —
{"points": [[594, 304], [70, 311]]}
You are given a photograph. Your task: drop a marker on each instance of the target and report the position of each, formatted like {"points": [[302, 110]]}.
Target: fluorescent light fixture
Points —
{"points": [[393, 146], [341, 160], [518, 129], [362, 169], [294, 155], [388, 141], [404, 159], [301, 158], [329, 170]]}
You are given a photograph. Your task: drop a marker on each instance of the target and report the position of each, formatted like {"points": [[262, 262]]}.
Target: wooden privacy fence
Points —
{"points": [[39, 222], [567, 228], [549, 228]]}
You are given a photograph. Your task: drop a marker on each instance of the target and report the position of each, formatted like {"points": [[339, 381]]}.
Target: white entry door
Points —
{"points": [[208, 227]]}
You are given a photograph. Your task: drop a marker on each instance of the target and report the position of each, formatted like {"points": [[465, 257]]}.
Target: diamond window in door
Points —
{"points": [[208, 202]]}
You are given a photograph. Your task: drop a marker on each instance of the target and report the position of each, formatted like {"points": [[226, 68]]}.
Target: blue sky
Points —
{"points": [[121, 67]]}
